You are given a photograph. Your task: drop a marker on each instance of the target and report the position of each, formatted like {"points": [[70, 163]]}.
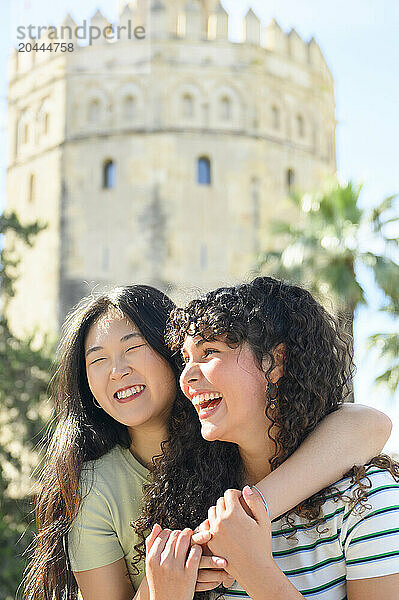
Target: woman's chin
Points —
{"points": [[210, 433]]}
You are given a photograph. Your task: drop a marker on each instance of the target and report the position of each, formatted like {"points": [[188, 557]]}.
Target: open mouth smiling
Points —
{"points": [[206, 403], [129, 393]]}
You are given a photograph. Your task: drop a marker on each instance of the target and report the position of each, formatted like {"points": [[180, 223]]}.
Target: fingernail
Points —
{"points": [[248, 490], [221, 562]]}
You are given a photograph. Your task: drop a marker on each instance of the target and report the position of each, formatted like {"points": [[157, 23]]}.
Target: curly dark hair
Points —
{"points": [[318, 368]]}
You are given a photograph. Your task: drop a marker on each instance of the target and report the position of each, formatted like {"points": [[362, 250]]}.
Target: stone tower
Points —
{"points": [[160, 160]]}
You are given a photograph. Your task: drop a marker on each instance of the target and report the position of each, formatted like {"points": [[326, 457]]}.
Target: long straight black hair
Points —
{"points": [[84, 433]]}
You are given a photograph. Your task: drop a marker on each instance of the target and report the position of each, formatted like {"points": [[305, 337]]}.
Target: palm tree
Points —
{"points": [[328, 242], [383, 219]]}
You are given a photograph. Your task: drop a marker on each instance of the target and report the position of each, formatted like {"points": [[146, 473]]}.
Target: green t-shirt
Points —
{"points": [[112, 492]]}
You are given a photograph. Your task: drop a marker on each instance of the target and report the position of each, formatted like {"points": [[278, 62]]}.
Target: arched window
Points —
{"points": [[188, 105], [275, 117], [109, 174], [290, 179], [31, 188], [204, 171], [129, 107], [94, 111], [300, 125], [225, 108]]}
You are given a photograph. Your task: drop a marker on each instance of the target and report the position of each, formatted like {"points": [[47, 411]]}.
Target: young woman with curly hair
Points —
{"points": [[118, 406], [264, 364]]}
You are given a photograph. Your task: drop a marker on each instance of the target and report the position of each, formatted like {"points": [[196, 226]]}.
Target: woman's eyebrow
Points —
{"points": [[130, 335], [123, 339], [196, 344], [94, 349]]}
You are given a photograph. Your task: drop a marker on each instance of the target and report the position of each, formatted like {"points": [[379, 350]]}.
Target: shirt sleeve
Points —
{"points": [[92, 541], [371, 544]]}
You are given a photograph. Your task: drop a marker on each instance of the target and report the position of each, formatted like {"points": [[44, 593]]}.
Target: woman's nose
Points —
{"points": [[190, 374], [119, 369]]}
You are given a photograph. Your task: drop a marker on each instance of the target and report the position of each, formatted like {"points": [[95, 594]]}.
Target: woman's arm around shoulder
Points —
{"points": [[374, 588], [103, 583], [351, 435]]}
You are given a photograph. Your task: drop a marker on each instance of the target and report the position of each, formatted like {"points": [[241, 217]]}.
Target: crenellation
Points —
{"points": [[297, 47], [125, 17], [158, 22], [316, 58], [218, 23], [193, 21], [98, 20], [252, 28], [276, 40], [68, 31]]}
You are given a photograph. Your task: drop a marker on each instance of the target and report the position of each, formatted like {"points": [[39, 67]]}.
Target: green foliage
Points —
{"points": [[388, 346], [23, 412], [24, 377], [8, 260], [16, 531], [326, 244]]}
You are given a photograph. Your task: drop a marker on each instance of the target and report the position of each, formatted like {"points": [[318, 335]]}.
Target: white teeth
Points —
{"points": [[199, 398], [130, 391]]}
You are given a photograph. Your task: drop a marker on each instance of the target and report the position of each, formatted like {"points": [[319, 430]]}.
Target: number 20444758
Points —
{"points": [[51, 47]]}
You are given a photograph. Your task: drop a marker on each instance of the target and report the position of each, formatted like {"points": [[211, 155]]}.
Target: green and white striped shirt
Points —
{"points": [[351, 545]]}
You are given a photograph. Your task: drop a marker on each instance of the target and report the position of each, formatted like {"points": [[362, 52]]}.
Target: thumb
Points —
{"points": [[202, 534], [201, 537], [156, 530], [255, 504]]}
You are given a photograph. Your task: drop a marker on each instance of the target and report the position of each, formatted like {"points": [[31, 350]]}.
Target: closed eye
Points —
{"points": [[135, 347], [209, 351], [97, 360]]}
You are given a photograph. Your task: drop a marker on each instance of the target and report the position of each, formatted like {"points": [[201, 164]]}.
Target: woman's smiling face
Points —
{"points": [[128, 379], [227, 388]]}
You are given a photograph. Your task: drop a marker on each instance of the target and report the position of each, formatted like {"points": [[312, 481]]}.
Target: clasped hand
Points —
{"points": [[240, 531], [175, 570], [223, 547]]}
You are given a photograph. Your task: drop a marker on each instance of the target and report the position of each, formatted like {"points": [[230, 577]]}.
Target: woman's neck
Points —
{"points": [[255, 456], [255, 468], [146, 443]]}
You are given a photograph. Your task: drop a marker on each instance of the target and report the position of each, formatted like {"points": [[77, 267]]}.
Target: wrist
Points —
{"points": [[270, 584], [143, 592], [261, 575]]}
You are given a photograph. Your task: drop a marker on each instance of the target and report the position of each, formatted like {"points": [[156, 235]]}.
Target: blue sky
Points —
{"points": [[359, 39]]}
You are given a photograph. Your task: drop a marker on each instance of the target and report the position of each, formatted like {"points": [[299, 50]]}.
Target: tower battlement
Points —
{"points": [[190, 21]]}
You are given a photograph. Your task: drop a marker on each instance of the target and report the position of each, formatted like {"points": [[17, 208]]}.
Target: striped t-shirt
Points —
{"points": [[356, 545]]}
